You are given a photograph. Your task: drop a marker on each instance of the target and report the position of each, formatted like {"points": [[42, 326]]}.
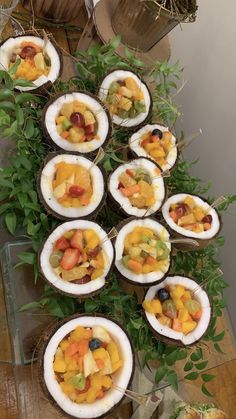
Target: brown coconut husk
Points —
{"points": [[44, 342]]}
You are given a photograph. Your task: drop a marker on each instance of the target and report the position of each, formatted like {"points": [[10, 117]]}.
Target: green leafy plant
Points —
{"points": [[23, 214]]}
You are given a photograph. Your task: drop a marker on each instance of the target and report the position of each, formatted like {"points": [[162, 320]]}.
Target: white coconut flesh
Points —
{"points": [[204, 235], [160, 231], [199, 294], [70, 287], [94, 106], [46, 188], [135, 145], [121, 378], [157, 183], [121, 75], [11, 44]]}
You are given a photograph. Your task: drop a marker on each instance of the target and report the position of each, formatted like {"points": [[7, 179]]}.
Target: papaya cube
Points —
{"points": [[156, 306], [188, 326], [117, 365], [59, 365], [177, 291], [113, 352], [106, 382]]}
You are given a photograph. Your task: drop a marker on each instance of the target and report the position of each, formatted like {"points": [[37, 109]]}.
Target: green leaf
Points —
{"points": [[137, 323], [201, 365], [19, 115], [7, 106], [172, 379], [4, 75], [30, 306], [29, 128], [188, 366], [90, 305], [207, 377], [218, 348], [10, 220], [115, 42], [23, 98], [219, 337], [5, 182], [197, 355], [191, 376], [27, 257], [15, 66], [6, 94], [205, 391], [160, 374], [182, 354], [23, 83]]}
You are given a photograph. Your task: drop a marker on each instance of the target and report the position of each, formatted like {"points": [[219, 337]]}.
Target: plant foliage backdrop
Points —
{"points": [[22, 213]]}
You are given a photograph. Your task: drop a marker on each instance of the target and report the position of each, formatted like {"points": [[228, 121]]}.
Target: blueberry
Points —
{"points": [[158, 133], [163, 294], [94, 344]]}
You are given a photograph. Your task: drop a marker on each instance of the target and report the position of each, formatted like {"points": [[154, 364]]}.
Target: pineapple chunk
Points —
{"points": [[101, 334], [39, 61], [60, 190], [125, 104], [90, 366], [123, 91], [189, 201], [156, 306], [67, 109], [187, 219], [188, 326], [106, 382], [113, 352], [178, 303], [183, 314], [64, 344], [100, 353], [59, 365], [198, 213], [91, 395], [117, 365], [96, 273], [79, 107], [89, 118], [67, 388], [76, 135]]}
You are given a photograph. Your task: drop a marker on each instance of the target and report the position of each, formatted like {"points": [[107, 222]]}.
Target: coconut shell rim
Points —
{"points": [[121, 224], [49, 138], [43, 347], [73, 295], [173, 341], [149, 114], [48, 209], [120, 209], [48, 84]]}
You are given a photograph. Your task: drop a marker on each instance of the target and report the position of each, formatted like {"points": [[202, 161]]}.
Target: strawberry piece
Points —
{"points": [[76, 190], [120, 185], [76, 240], [89, 129], [62, 244], [70, 259]]}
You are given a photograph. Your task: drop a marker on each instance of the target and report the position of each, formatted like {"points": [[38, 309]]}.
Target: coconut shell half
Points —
{"points": [[204, 238], [45, 190], [168, 335], [71, 288], [121, 74], [43, 83], [127, 226], [52, 110], [122, 378], [122, 203], [138, 151]]}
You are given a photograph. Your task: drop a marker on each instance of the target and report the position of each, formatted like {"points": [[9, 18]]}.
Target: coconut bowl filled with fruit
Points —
{"points": [[38, 60], [127, 98], [157, 143], [71, 186], [83, 362], [143, 251], [177, 311], [76, 258], [76, 121], [137, 188], [190, 216]]}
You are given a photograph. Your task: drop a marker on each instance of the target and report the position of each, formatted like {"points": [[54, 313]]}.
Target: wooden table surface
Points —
{"points": [[223, 366]]}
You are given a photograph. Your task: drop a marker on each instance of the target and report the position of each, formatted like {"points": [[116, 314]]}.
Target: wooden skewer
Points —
{"points": [[185, 241], [98, 158], [112, 233], [141, 399], [217, 203]]}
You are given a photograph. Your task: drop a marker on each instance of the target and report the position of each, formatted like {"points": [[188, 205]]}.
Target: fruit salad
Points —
{"points": [[187, 214], [157, 144], [76, 123], [33, 61], [72, 185], [85, 362], [125, 98], [136, 185], [78, 256], [176, 307], [145, 252]]}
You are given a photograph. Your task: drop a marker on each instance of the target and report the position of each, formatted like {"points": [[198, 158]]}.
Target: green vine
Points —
{"points": [[23, 214]]}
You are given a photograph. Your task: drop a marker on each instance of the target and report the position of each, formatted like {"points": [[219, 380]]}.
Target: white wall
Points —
{"points": [[207, 50]]}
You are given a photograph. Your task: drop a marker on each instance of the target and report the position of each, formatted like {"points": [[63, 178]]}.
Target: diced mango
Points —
{"points": [[59, 365], [186, 296], [157, 153], [67, 388], [132, 85], [64, 344], [91, 395], [106, 382], [72, 365], [183, 314], [81, 397], [113, 351], [147, 268], [178, 303], [156, 306], [188, 326], [177, 291], [100, 353], [97, 273], [198, 213], [89, 234], [80, 333], [117, 365], [96, 381]]}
